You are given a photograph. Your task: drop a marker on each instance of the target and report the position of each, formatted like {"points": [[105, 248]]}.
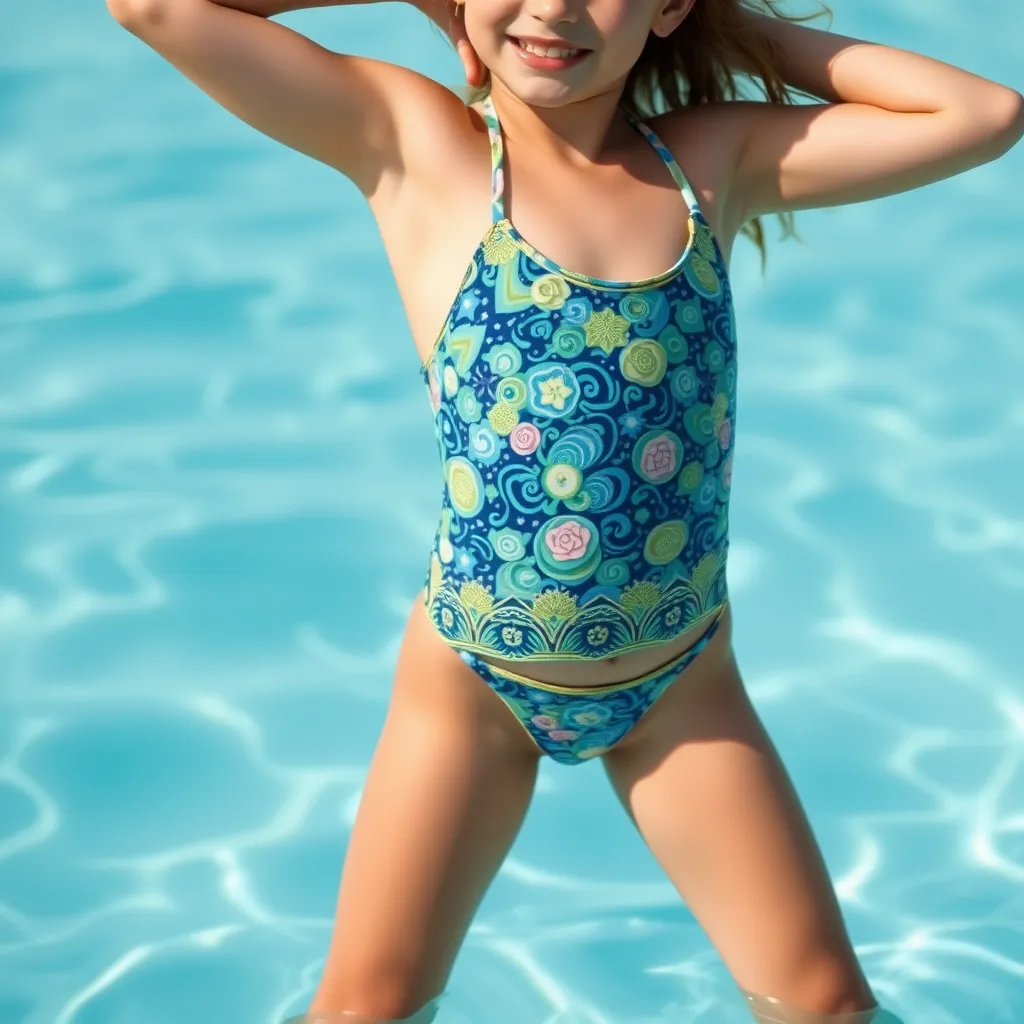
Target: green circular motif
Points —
{"points": [[508, 544], [666, 541], [451, 380], [613, 573], [699, 423], [636, 308], [518, 579], [568, 341], [562, 481], [550, 291], [504, 359], [580, 502], [465, 488], [691, 477], [702, 275], [644, 362], [512, 391], [567, 549], [468, 405], [674, 342], [503, 418], [714, 356]]}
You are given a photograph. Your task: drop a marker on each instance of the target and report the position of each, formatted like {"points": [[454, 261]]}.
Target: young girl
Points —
{"points": [[562, 246]]}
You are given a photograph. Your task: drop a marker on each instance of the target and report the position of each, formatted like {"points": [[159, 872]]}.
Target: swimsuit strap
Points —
{"points": [[669, 160], [490, 117]]}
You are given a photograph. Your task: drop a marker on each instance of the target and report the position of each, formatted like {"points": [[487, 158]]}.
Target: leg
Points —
{"points": [[449, 785], [705, 786]]}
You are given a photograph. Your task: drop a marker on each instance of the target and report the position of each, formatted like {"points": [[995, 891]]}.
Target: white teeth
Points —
{"points": [[547, 51]]}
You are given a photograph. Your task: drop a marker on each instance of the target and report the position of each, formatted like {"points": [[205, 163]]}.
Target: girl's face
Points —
{"points": [[552, 52]]}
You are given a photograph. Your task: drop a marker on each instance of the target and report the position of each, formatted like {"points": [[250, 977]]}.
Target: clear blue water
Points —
{"points": [[219, 486]]}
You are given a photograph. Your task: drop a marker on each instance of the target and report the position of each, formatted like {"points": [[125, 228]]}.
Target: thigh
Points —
{"points": [[448, 787], [712, 799]]}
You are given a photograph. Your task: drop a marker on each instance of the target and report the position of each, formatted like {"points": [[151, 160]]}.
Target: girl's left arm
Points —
{"points": [[890, 121]]}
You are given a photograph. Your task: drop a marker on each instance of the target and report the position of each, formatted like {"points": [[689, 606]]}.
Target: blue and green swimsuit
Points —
{"points": [[586, 436]]}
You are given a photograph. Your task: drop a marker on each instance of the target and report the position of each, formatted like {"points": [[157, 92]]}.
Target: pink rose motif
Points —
{"points": [[499, 183], [725, 434], [563, 735], [727, 473], [567, 541], [545, 722], [525, 438], [659, 458]]}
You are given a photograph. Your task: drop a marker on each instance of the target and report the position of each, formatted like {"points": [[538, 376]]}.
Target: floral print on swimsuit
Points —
{"points": [[586, 435]]}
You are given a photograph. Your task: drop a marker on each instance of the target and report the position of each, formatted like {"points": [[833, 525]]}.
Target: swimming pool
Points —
{"points": [[202, 351]]}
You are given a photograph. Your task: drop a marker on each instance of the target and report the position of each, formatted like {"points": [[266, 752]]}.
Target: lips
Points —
{"points": [[548, 55]]}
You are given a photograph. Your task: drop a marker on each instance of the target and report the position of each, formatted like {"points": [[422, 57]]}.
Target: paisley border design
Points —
{"points": [[602, 627]]}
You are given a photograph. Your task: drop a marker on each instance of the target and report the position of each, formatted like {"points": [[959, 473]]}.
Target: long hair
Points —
{"points": [[698, 64]]}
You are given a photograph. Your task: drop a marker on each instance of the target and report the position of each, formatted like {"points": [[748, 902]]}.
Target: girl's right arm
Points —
{"points": [[367, 118]]}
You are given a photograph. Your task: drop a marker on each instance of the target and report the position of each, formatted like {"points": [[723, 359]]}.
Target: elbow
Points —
{"points": [[1014, 118], [986, 126], [1004, 120], [131, 13]]}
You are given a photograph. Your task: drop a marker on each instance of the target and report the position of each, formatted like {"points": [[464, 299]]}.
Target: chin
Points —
{"points": [[541, 93]]}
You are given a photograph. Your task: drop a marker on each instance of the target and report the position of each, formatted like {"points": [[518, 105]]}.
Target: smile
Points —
{"points": [[547, 51], [548, 56]]}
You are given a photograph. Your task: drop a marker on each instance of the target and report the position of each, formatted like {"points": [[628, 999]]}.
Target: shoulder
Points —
{"points": [[431, 126], [707, 142], [437, 145]]}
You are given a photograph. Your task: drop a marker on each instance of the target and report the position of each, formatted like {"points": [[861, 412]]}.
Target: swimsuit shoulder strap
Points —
{"points": [[490, 117], [669, 160]]}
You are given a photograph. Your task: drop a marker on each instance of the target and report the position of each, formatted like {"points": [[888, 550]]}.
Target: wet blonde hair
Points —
{"points": [[697, 64]]}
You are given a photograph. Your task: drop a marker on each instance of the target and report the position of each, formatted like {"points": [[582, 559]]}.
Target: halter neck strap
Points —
{"points": [[667, 158], [490, 116], [498, 213]]}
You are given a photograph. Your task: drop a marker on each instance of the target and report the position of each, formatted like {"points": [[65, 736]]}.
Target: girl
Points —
{"points": [[561, 245]]}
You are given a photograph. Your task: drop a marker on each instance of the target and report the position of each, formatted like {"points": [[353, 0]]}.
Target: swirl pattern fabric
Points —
{"points": [[586, 431]]}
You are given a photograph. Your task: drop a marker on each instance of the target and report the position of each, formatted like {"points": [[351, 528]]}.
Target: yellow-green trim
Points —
{"points": [[713, 613], [596, 283]]}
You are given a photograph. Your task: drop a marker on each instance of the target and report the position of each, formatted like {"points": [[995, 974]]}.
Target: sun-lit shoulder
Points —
{"points": [[706, 140]]}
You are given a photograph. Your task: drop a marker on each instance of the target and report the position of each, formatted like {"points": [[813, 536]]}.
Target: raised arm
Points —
{"points": [[890, 121], [361, 116]]}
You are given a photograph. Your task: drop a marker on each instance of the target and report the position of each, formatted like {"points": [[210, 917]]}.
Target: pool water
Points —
{"points": [[219, 487]]}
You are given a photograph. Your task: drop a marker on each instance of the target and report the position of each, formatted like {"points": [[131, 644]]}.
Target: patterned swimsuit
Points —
{"points": [[585, 429]]}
